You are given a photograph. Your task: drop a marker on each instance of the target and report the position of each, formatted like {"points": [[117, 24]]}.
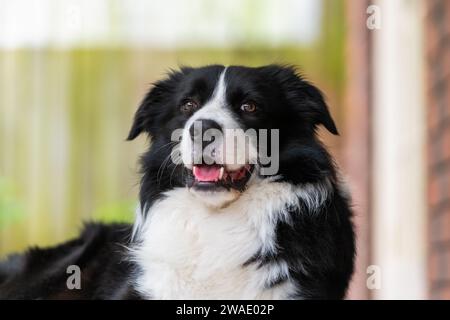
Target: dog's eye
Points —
{"points": [[188, 106], [248, 107]]}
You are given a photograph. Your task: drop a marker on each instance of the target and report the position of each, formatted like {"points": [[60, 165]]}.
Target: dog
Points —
{"points": [[216, 219]]}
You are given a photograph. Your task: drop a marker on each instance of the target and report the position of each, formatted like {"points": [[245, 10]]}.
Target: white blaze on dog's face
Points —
{"points": [[218, 151]]}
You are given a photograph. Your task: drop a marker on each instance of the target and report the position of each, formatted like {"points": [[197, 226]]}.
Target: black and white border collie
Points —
{"points": [[218, 226]]}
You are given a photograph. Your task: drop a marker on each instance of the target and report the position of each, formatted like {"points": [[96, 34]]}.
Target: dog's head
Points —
{"points": [[217, 130]]}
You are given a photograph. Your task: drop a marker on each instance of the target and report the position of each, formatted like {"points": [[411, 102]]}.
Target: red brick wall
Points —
{"points": [[357, 146], [437, 43]]}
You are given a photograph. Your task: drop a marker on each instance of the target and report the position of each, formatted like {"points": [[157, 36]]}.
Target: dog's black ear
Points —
{"points": [[146, 114], [149, 116], [306, 99], [318, 108], [138, 123], [150, 110]]}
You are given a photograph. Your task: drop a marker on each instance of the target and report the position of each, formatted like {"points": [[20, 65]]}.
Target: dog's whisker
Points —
{"points": [[161, 170]]}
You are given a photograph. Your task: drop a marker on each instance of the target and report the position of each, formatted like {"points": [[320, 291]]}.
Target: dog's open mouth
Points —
{"points": [[210, 177]]}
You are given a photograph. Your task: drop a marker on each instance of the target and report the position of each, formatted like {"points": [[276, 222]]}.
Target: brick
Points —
{"points": [[438, 187], [433, 266], [440, 228], [444, 293], [439, 266], [441, 291], [433, 118], [438, 148], [436, 27]]}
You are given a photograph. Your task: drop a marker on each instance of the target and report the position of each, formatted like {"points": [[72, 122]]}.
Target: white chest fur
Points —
{"points": [[189, 251]]}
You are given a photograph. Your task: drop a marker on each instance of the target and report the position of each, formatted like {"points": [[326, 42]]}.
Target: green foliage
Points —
{"points": [[11, 208], [122, 211]]}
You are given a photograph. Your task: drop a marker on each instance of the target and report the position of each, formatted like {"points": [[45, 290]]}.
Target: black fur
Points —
{"points": [[318, 247], [42, 273]]}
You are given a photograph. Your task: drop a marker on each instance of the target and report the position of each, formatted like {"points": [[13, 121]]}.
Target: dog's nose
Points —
{"points": [[204, 133], [199, 127]]}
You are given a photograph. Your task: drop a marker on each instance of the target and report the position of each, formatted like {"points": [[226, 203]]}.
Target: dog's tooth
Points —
{"points": [[221, 173], [195, 171]]}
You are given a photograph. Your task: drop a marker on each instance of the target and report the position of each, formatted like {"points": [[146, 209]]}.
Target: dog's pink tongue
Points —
{"points": [[206, 173]]}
